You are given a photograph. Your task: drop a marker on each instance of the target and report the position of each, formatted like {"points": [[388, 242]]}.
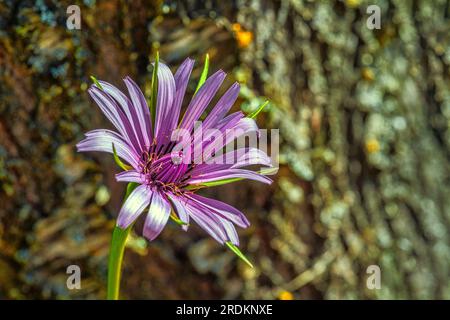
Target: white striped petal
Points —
{"points": [[157, 216], [136, 202]]}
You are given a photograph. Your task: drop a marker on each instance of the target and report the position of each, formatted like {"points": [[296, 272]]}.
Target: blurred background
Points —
{"points": [[365, 143]]}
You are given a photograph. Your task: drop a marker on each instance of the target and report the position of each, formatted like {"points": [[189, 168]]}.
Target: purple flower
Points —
{"points": [[167, 181]]}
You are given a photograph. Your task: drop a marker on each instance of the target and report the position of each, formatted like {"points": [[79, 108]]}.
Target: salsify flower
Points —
{"points": [[165, 183]]}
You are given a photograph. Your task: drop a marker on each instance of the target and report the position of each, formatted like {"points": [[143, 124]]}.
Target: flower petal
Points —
{"points": [[114, 114], [136, 202], [102, 140], [207, 222], [130, 176], [107, 106], [181, 81], [166, 92], [133, 111], [222, 107], [232, 131], [222, 209], [251, 157], [227, 174], [230, 231], [142, 112], [202, 99], [220, 229], [179, 204], [157, 216], [230, 121], [232, 160]]}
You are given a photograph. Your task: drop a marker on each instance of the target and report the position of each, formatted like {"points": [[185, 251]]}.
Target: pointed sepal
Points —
{"points": [[130, 187], [255, 113], [154, 94], [220, 182], [95, 81], [118, 161], [204, 74], [177, 220], [238, 252]]}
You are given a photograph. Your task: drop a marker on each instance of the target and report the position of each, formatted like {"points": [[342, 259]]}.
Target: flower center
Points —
{"points": [[166, 170]]}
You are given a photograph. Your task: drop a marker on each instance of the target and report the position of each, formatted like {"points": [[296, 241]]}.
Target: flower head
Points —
{"points": [[168, 174]]}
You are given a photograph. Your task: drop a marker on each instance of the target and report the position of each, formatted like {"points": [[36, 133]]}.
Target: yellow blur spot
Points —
{"points": [[244, 38], [236, 27], [352, 3], [285, 295], [368, 74], [372, 145]]}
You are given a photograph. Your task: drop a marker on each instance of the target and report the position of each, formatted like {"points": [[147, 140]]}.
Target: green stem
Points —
{"points": [[119, 239]]}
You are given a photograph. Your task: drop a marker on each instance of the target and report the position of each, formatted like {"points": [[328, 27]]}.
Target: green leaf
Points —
{"points": [[154, 94], [255, 113], [204, 74], [130, 187], [118, 161], [238, 253], [95, 81]]}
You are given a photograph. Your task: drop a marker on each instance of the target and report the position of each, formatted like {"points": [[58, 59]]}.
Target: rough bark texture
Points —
{"points": [[363, 118]]}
